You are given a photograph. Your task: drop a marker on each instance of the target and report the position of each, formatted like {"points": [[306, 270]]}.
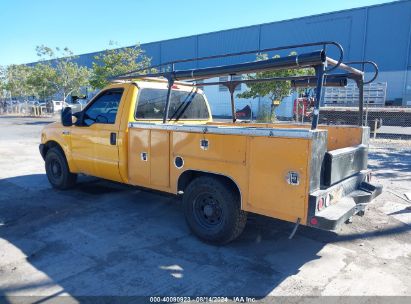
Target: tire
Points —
{"points": [[57, 170], [212, 210]]}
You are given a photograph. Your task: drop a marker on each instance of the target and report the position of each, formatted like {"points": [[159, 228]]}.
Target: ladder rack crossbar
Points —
{"points": [[257, 51]]}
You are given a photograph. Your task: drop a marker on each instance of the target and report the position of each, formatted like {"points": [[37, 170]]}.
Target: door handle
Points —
{"points": [[113, 138]]}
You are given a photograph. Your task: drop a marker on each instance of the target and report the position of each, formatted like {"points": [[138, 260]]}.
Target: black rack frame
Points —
{"points": [[318, 60]]}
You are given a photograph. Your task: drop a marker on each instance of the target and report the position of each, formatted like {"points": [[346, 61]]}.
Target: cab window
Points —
{"points": [[183, 105], [103, 108]]}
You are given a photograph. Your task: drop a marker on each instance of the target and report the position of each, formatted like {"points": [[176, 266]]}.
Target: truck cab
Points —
{"points": [[98, 134]]}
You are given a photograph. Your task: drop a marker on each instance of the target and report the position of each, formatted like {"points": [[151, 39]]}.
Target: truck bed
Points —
{"points": [[282, 164]]}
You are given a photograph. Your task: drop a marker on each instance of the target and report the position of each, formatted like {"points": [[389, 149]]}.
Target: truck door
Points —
{"points": [[94, 138]]}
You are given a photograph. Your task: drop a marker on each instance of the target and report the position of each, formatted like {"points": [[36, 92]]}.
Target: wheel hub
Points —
{"points": [[55, 169], [208, 210]]}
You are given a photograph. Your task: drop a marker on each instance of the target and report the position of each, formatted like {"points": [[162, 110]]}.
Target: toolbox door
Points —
{"points": [[149, 158], [278, 176], [160, 158]]}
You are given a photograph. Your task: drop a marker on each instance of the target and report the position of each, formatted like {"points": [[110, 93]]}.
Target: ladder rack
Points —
{"points": [[317, 60]]}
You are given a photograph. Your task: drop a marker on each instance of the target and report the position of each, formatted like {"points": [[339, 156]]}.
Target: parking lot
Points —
{"points": [[105, 239]]}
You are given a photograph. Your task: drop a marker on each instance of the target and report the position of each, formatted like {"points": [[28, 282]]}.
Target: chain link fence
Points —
{"points": [[27, 108], [340, 107], [37, 108], [384, 122], [387, 122]]}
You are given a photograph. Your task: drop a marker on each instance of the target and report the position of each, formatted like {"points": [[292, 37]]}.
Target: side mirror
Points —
{"points": [[66, 117]]}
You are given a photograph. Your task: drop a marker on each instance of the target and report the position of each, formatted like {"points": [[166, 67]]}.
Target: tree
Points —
{"points": [[2, 82], [112, 62], [16, 81], [42, 79], [274, 90], [61, 71]]}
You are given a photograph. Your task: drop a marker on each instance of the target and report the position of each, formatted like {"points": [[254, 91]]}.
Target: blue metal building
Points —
{"points": [[381, 33]]}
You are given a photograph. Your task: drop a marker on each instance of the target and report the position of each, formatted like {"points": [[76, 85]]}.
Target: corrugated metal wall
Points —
{"points": [[380, 33]]}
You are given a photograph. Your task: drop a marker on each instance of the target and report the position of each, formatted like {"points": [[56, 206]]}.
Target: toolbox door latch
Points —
{"points": [[204, 144], [293, 178]]}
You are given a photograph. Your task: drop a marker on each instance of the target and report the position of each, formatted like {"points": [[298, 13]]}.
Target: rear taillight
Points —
{"points": [[314, 221], [327, 200], [320, 204]]}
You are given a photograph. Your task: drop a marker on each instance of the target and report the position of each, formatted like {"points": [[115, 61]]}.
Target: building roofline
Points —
{"points": [[278, 21], [395, 2]]}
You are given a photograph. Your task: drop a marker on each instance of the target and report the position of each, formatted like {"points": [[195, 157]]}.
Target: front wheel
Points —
{"points": [[212, 210], [57, 170]]}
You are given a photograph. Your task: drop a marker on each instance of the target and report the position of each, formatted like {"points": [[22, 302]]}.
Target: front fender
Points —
{"points": [[56, 135]]}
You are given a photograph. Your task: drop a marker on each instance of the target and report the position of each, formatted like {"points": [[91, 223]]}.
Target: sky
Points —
{"points": [[86, 26]]}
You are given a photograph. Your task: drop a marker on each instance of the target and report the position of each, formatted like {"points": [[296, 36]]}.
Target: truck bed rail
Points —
{"points": [[228, 130]]}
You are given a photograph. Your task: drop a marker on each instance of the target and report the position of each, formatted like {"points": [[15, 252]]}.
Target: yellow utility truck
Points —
{"points": [[156, 131]]}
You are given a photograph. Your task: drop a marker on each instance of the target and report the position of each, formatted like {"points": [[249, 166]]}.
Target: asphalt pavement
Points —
{"points": [[107, 239]]}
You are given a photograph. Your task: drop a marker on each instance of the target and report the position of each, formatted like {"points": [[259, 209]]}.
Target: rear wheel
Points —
{"points": [[57, 170], [212, 210]]}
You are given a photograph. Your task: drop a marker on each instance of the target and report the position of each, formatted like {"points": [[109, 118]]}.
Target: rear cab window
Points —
{"points": [[184, 104]]}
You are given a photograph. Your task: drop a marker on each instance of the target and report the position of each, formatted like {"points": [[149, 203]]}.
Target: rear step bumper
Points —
{"points": [[346, 199]]}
